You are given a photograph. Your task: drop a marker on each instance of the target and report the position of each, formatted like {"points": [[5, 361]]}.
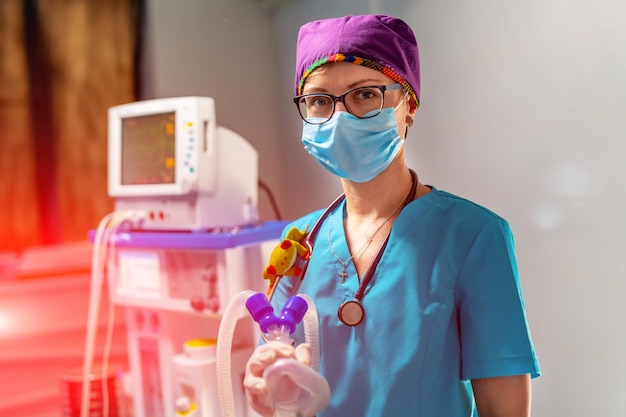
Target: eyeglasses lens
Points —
{"points": [[362, 102]]}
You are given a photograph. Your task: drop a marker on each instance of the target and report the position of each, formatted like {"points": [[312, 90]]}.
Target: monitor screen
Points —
{"points": [[168, 159], [148, 149], [162, 147]]}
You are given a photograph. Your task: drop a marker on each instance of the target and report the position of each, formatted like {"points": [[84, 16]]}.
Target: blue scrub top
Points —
{"points": [[443, 307]]}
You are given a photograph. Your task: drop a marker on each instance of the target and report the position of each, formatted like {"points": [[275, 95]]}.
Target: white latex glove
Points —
{"points": [[262, 357]]}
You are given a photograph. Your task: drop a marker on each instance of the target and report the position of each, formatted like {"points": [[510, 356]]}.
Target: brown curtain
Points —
{"points": [[63, 63]]}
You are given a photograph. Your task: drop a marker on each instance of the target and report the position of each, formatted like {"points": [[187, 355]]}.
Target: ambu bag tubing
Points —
{"points": [[296, 389]]}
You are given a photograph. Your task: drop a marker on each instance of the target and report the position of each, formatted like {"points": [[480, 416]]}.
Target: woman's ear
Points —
{"points": [[410, 116], [413, 105]]}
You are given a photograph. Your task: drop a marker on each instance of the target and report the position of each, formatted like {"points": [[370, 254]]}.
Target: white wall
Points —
{"points": [[223, 49], [523, 110]]}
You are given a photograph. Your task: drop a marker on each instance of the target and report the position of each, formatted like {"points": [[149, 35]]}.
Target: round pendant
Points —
{"points": [[351, 313]]}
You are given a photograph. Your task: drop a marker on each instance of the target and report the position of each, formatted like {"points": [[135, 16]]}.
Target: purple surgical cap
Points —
{"points": [[384, 43]]}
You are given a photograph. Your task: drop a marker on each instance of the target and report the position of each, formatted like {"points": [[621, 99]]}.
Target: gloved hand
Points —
{"points": [[262, 357]]}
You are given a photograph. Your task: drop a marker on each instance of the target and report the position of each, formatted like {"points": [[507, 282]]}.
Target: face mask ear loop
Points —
{"points": [[410, 122], [402, 100]]}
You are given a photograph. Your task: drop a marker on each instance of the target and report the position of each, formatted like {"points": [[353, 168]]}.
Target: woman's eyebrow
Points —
{"points": [[350, 86], [364, 80]]}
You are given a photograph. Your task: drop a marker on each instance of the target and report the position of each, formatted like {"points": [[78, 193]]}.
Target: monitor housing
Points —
{"points": [[168, 158]]}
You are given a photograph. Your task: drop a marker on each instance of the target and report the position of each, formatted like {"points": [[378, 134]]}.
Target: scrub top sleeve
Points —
{"points": [[495, 340]]}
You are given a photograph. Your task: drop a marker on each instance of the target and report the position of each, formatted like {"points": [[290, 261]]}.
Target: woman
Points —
{"points": [[417, 290]]}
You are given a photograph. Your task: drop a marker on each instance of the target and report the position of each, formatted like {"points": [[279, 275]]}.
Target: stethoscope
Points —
{"points": [[351, 312]]}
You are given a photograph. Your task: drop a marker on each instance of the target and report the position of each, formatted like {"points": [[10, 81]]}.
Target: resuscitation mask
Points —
{"points": [[352, 148]]}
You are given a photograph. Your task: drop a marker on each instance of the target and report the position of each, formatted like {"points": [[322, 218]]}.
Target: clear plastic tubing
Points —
{"points": [[225, 334], [276, 329], [312, 331]]}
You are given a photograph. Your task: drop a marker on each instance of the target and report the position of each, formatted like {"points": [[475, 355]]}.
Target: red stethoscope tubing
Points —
{"points": [[308, 242], [310, 237]]}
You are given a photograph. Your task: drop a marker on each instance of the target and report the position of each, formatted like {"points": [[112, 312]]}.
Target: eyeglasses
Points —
{"points": [[362, 102]]}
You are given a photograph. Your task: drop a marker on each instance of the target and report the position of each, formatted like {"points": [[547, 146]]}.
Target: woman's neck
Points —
{"points": [[380, 197]]}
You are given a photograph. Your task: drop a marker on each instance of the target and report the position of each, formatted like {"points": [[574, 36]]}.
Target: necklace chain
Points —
{"points": [[344, 264]]}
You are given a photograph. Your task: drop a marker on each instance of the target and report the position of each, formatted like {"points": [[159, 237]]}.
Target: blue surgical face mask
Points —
{"points": [[352, 148]]}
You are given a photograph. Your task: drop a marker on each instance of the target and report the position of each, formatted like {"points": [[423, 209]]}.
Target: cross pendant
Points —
{"points": [[343, 274]]}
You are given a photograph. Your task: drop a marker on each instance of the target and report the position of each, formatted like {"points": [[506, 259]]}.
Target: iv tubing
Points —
{"points": [[94, 305], [107, 226], [225, 341]]}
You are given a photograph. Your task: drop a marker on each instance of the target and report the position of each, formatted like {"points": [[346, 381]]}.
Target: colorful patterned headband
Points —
{"points": [[358, 61]]}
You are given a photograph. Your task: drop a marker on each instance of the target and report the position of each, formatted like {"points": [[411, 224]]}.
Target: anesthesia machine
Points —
{"points": [[183, 241]]}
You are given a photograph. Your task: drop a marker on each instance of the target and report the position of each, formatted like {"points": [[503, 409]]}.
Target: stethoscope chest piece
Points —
{"points": [[351, 313]]}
